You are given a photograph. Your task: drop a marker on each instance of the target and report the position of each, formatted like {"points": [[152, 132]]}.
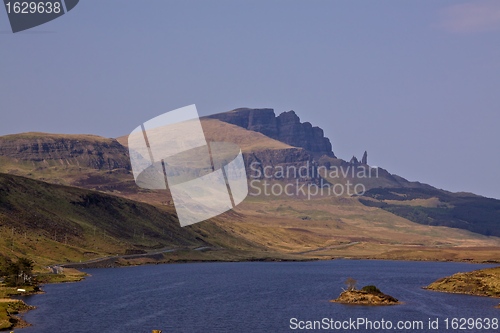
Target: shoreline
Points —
{"points": [[204, 255], [460, 293], [481, 282], [14, 297]]}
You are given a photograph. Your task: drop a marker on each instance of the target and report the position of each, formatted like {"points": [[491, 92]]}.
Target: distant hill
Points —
{"points": [[439, 208], [84, 151]]}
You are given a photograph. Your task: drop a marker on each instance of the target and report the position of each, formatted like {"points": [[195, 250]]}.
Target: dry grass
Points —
{"points": [[69, 275], [484, 282], [219, 131], [429, 203], [8, 309], [50, 136], [249, 141], [343, 227]]}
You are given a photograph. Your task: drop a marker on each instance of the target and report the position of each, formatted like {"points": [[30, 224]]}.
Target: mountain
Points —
{"points": [[305, 147], [392, 218], [417, 202], [103, 164]]}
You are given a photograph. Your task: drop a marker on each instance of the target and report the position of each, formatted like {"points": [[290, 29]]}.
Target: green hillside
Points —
{"points": [[57, 224]]}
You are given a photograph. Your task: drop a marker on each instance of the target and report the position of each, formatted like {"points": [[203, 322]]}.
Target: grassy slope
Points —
{"points": [[343, 227], [52, 136], [249, 141], [216, 130], [56, 224]]}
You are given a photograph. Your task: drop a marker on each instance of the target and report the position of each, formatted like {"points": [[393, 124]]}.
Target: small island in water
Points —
{"points": [[368, 295]]}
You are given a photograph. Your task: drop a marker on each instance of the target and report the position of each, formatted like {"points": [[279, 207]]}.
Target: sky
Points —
{"points": [[415, 83]]}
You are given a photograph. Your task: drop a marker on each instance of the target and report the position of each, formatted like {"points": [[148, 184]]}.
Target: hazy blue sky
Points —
{"points": [[416, 83]]}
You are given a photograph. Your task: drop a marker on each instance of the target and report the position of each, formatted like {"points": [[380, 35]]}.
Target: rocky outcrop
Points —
{"points": [[77, 150], [258, 120], [361, 297], [286, 128], [295, 133], [364, 160], [484, 282], [354, 160]]}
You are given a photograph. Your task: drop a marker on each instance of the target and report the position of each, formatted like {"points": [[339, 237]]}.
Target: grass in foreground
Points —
{"points": [[9, 308]]}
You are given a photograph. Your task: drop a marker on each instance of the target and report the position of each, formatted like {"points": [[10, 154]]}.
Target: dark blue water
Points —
{"points": [[249, 297]]}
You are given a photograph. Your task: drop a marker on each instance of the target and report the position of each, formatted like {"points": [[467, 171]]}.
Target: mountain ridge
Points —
{"points": [[102, 164], [58, 149]]}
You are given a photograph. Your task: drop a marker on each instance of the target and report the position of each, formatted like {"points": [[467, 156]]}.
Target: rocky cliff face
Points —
{"points": [[39, 153], [295, 133], [77, 150], [281, 164], [286, 128]]}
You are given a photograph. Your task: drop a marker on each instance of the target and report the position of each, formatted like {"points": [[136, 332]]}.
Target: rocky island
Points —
{"points": [[368, 295]]}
